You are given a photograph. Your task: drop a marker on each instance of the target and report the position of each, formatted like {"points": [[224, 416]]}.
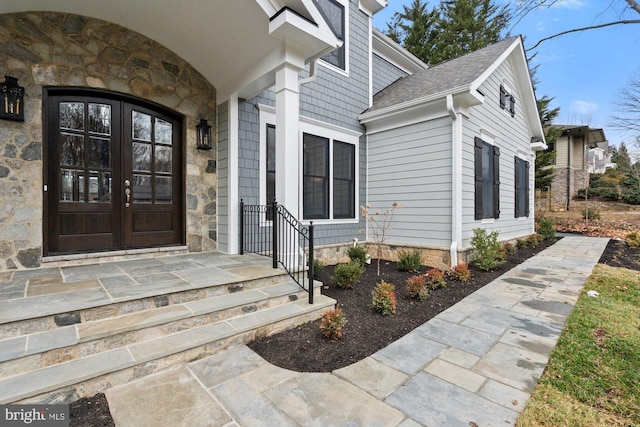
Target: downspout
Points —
{"points": [[456, 181], [312, 74], [568, 168]]}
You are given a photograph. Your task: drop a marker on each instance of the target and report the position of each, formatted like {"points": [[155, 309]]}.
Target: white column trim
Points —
{"points": [[233, 187]]}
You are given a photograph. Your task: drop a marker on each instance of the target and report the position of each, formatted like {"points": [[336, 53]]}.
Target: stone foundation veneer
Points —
{"points": [[53, 49], [432, 257]]}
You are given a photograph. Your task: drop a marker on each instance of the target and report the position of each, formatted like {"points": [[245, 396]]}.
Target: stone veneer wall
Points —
{"points": [[54, 49], [578, 179]]}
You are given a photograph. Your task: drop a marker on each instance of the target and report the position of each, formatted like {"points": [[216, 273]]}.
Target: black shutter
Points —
{"points": [[496, 182], [516, 211], [512, 107], [503, 97], [526, 193], [478, 178]]}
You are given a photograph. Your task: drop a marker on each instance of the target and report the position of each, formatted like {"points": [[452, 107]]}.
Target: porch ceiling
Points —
{"points": [[221, 39]]}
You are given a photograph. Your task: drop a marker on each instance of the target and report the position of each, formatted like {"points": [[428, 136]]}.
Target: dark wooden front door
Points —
{"points": [[114, 174]]}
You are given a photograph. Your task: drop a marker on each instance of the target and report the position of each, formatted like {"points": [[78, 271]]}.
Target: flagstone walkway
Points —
{"points": [[476, 362]]}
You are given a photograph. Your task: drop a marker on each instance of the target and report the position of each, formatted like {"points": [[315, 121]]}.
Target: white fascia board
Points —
{"points": [[315, 38], [370, 7], [538, 146], [395, 54], [407, 116], [402, 114]]}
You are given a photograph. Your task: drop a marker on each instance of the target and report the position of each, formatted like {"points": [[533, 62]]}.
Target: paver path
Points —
{"points": [[476, 362]]}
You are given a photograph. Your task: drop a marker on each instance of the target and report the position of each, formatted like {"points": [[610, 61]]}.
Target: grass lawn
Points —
{"points": [[593, 375]]}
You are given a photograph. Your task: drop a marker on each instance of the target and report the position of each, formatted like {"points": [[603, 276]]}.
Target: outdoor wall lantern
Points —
{"points": [[204, 141], [11, 100]]}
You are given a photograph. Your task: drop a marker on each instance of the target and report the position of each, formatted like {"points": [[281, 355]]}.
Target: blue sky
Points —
{"points": [[585, 71]]}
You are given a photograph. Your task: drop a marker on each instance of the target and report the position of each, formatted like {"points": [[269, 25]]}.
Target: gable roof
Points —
{"points": [[448, 77], [456, 80]]}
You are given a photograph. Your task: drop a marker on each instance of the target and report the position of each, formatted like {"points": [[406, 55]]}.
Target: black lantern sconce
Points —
{"points": [[204, 141], [11, 100]]}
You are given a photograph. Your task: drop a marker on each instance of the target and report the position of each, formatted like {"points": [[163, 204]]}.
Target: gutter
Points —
{"points": [[456, 180], [312, 74]]}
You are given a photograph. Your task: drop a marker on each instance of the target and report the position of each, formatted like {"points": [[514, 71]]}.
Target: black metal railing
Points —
{"points": [[271, 230]]}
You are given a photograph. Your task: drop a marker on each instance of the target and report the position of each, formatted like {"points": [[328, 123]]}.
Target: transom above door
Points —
{"points": [[114, 174]]}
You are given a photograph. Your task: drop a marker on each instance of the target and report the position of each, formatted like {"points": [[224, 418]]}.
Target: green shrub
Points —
{"points": [[631, 196], [318, 267], [347, 275], [409, 261], [508, 248], [461, 272], [417, 287], [591, 213], [533, 240], [435, 278], [610, 194], [547, 228], [384, 298], [487, 253], [357, 253], [603, 183], [332, 324], [594, 178], [521, 243], [633, 239]]}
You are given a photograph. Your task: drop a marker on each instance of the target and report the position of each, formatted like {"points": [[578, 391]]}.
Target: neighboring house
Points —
{"points": [[106, 159], [599, 158], [571, 168]]}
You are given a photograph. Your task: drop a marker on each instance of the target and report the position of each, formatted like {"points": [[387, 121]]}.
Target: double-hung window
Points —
{"points": [[335, 16], [522, 187], [487, 180], [329, 178]]}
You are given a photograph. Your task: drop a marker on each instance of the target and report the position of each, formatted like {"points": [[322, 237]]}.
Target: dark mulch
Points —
{"points": [[304, 349], [90, 412], [619, 254]]}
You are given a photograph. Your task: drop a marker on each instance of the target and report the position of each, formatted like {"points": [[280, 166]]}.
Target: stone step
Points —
{"points": [[46, 312], [68, 342], [67, 381]]}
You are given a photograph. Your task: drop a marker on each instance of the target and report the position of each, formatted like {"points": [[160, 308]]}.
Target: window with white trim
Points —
{"points": [[522, 187], [507, 101], [329, 187], [487, 180], [334, 13]]}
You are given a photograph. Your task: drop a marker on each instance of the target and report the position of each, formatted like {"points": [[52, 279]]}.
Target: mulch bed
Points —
{"points": [[619, 254], [304, 349]]}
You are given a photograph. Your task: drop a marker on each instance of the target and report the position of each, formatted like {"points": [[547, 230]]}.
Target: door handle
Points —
{"points": [[127, 193]]}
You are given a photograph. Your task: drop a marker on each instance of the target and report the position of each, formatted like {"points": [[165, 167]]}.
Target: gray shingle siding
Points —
{"points": [[333, 98], [384, 73]]}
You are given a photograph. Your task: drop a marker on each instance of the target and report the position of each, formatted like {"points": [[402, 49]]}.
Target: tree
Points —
{"points": [[627, 117], [467, 25], [525, 7], [454, 28], [414, 28], [621, 158]]}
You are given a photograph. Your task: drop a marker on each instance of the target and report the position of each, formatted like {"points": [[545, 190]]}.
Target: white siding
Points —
{"points": [[412, 166], [512, 136]]}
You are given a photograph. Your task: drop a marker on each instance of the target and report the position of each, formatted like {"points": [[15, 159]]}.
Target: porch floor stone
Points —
{"points": [[476, 362]]}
